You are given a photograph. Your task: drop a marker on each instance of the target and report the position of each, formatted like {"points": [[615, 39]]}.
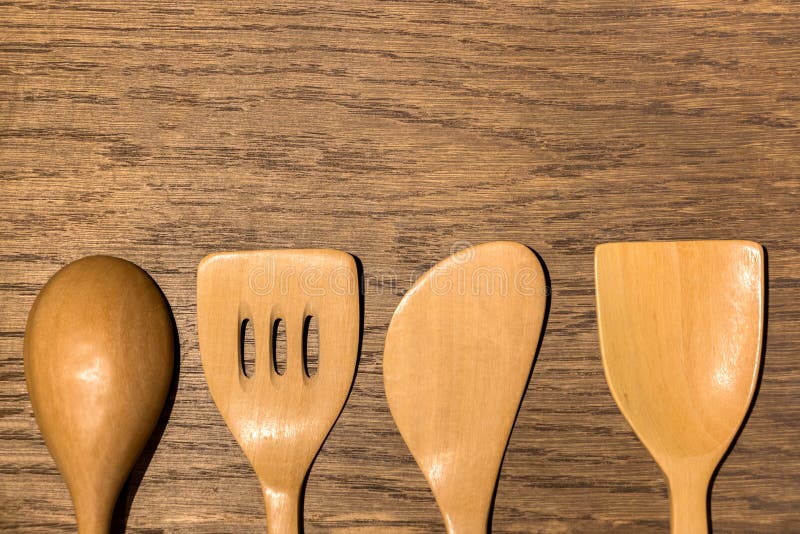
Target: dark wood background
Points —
{"points": [[399, 132]]}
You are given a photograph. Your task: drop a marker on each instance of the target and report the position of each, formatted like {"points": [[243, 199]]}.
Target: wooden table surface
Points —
{"points": [[399, 132]]}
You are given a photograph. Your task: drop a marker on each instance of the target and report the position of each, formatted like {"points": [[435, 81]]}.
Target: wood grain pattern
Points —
{"points": [[399, 132]]}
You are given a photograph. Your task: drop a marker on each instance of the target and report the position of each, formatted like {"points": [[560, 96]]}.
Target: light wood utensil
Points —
{"points": [[279, 420], [458, 356], [680, 331], [99, 354]]}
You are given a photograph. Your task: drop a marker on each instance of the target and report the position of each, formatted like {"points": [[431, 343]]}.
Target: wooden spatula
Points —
{"points": [[279, 420], [680, 331], [458, 355], [99, 355]]}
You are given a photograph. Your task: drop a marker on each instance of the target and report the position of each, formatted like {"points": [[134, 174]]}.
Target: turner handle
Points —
{"points": [[283, 510], [474, 520]]}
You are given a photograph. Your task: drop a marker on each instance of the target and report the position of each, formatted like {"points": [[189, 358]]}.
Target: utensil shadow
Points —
{"points": [[762, 355], [122, 509], [545, 317]]}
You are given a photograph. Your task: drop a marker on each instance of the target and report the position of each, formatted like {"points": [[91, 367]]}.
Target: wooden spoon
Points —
{"points": [[279, 421], [99, 354], [458, 356], [680, 331]]}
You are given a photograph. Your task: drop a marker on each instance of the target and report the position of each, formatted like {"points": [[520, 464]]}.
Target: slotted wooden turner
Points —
{"points": [[680, 332], [458, 356], [280, 421]]}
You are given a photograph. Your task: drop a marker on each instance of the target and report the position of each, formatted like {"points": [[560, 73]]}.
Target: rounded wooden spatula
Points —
{"points": [[279, 420], [680, 331], [458, 356]]}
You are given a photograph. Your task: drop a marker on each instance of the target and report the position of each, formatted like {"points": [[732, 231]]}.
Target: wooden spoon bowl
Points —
{"points": [[99, 355]]}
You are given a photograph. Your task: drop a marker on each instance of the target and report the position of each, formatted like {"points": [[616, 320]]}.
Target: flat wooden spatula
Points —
{"points": [[680, 331], [458, 355], [279, 420]]}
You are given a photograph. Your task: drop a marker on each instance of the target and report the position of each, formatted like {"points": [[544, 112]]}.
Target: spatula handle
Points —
{"points": [[283, 511], [688, 504]]}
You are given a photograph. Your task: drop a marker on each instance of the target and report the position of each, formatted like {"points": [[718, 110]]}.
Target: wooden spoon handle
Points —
{"points": [[688, 498], [94, 511], [97, 523], [283, 511]]}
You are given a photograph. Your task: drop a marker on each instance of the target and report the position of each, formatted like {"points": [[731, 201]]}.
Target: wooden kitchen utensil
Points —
{"points": [[99, 354], [458, 356], [680, 331], [279, 420]]}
